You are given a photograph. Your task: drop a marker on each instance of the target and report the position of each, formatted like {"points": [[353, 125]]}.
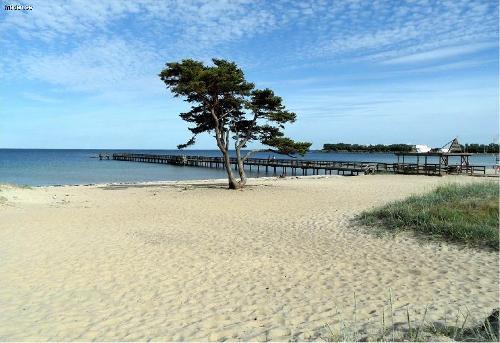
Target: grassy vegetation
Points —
{"points": [[459, 213], [461, 328], [419, 330]]}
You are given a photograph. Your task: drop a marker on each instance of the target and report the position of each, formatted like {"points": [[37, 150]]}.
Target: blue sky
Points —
{"points": [[83, 74]]}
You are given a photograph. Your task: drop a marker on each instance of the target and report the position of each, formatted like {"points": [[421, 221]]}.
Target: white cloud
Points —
{"points": [[40, 98], [441, 53], [118, 47], [52, 20], [98, 66], [453, 66], [383, 30], [115, 47], [204, 22]]}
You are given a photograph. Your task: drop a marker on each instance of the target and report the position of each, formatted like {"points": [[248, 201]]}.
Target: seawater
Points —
{"points": [[40, 167]]}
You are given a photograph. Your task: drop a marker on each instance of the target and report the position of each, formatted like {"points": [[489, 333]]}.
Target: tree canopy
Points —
{"points": [[224, 104]]}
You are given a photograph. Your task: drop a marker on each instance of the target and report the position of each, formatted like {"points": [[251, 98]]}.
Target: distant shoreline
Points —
{"points": [[217, 150], [389, 152]]}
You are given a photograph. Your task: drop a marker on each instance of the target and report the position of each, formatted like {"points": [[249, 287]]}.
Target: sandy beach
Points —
{"points": [[195, 261]]}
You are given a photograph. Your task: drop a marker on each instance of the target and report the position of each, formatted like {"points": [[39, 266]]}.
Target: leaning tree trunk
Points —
{"points": [[233, 183], [224, 148], [241, 170]]}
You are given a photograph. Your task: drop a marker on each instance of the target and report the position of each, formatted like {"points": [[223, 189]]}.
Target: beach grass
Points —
{"points": [[458, 213], [420, 330], [460, 328]]}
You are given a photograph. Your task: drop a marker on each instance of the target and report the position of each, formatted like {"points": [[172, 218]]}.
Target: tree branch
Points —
{"points": [[247, 138], [218, 134], [190, 142], [253, 152], [227, 138], [236, 140]]}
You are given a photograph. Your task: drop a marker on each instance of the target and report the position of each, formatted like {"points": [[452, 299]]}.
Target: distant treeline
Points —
{"points": [[367, 148], [472, 148], [481, 148]]}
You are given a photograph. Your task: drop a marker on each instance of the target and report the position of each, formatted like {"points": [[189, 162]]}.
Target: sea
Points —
{"points": [[43, 167]]}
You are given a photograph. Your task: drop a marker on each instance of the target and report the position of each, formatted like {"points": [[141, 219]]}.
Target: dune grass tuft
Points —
{"points": [[459, 213], [421, 331], [461, 328]]}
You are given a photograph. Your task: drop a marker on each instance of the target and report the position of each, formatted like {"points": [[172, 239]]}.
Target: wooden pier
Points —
{"points": [[293, 167], [263, 165]]}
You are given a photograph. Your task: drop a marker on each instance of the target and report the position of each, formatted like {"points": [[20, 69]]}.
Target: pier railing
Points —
{"points": [[283, 166], [303, 167], [437, 169]]}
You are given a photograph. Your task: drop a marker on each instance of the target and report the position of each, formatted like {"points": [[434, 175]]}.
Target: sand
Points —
{"points": [[195, 261]]}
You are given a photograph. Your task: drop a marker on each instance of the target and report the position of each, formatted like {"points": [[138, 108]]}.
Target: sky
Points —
{"points": [[84, 74]]}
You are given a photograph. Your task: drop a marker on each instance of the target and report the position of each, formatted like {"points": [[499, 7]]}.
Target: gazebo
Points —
{"points": [[434, 161], [420, 163]]}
